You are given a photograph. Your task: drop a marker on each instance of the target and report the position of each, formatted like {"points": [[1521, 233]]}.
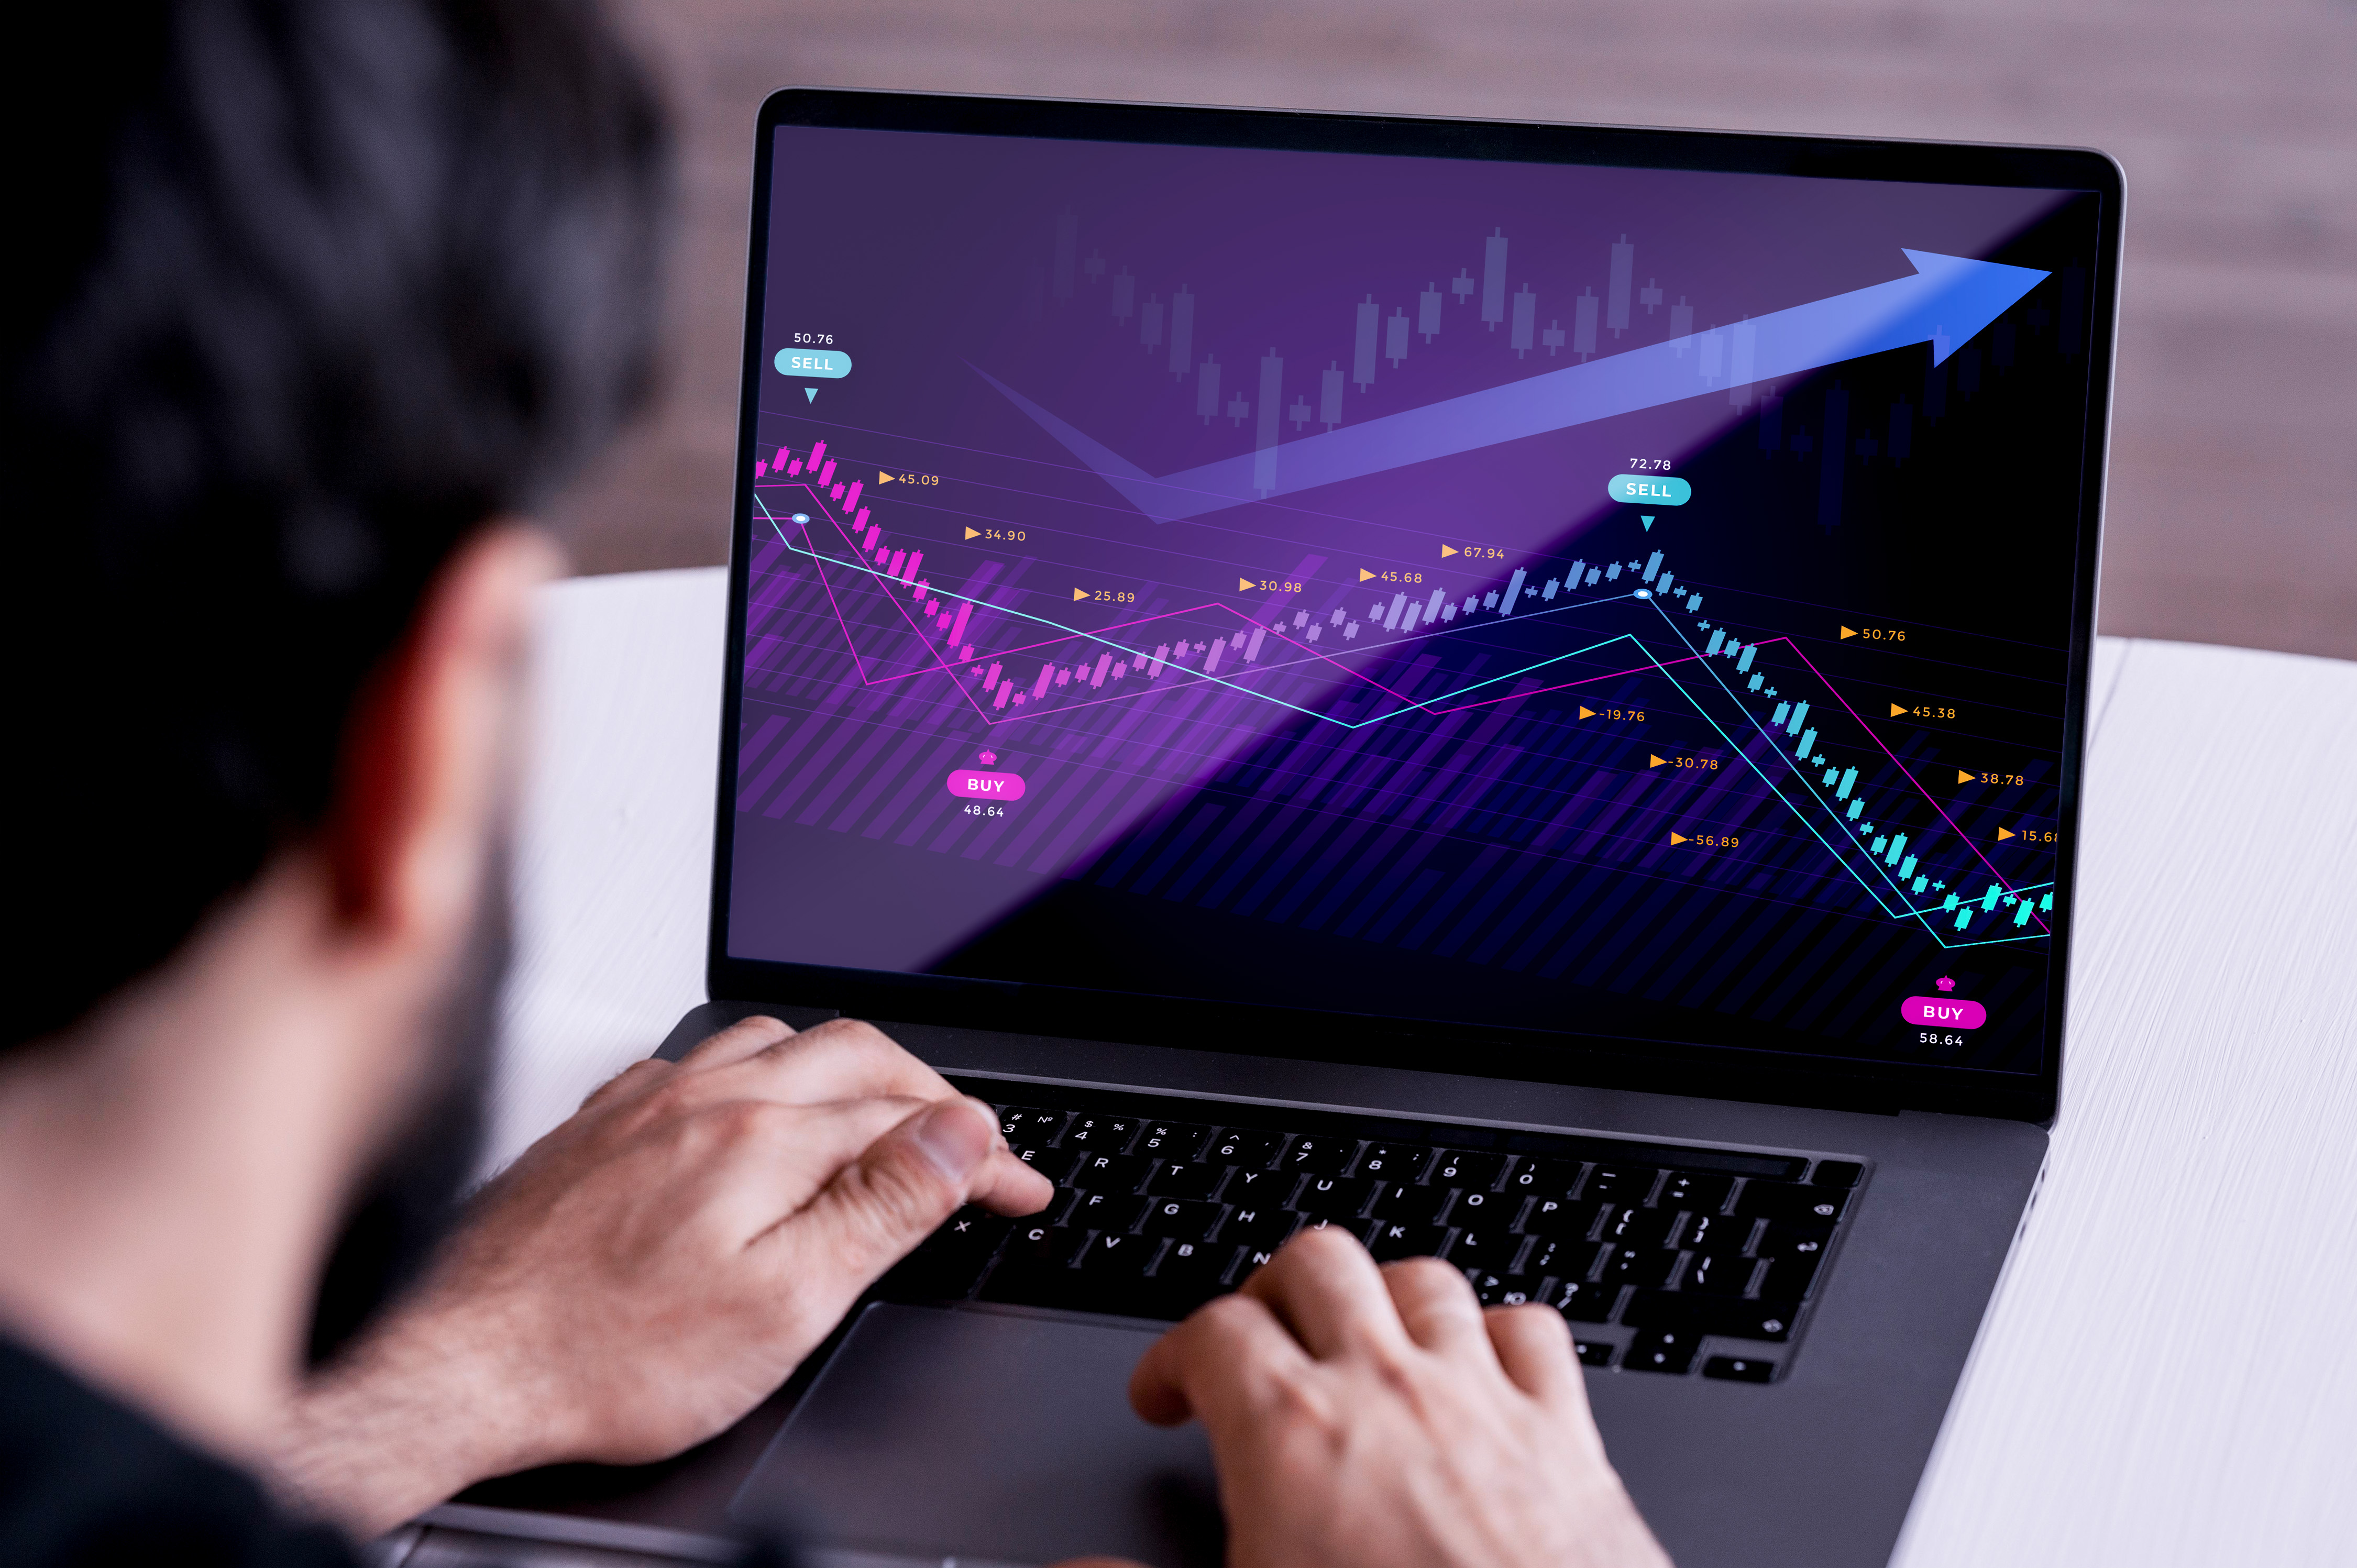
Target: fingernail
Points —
{"points": [[956, 1136]]}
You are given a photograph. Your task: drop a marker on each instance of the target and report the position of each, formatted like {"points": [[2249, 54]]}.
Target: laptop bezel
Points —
{"points": [[1760, 1076]]}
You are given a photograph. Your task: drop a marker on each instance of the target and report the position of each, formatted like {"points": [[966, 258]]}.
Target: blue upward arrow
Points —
{"points": [[1946, 303]]}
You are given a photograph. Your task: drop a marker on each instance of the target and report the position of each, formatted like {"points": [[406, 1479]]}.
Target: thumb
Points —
{"points": [[908, 1181]]}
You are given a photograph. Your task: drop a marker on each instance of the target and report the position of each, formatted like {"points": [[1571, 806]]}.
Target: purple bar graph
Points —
{"points": [[826, 475], [1039, 687], [894, 569], [852, 497], [965, 612], [818, 455], [910, 574]]}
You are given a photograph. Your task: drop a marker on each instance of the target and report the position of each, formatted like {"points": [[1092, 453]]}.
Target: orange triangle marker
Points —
{"points": [[1365, 576], [882, 477], [1588, 713], [1677, 838], [1079, 594], [1446, 550], [2004, 833], [1846, 632], [1243, 584], [974, 533], [1896, 709], [1657, 761], [1963, 777]]}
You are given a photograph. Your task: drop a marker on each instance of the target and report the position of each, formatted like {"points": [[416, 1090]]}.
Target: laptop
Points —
{"points": [[1515, 689]]}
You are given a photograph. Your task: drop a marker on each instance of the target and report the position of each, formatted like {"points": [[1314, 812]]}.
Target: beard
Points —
{"points": [[410, 1199]]}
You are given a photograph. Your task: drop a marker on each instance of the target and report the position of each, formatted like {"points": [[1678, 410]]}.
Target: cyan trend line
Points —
{"points": [[1946, 302]]}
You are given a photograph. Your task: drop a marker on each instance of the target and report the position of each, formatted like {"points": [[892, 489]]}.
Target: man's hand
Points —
{"points": [[652, 1269], [1378, 1417]]}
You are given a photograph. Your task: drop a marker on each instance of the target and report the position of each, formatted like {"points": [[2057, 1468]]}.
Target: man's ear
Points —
{"points": [[429, 741]]}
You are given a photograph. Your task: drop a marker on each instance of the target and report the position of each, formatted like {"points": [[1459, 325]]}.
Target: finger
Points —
{"points": [[841, 1058], [879, 1206], [1325, 1288], [773, 1160], [638, 1074], [1007, 1185], [1534, 1347], [1219, 1365], [1438, 1308], [744, 1038]]}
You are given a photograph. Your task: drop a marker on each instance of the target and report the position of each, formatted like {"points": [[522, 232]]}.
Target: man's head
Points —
{"points": [[311, 294]]}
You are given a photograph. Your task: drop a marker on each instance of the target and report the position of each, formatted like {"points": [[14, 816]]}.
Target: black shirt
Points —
{"points": [[86, 1480]]}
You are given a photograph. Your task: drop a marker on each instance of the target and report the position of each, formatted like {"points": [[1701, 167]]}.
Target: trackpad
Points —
{"points": [[977, 1434]]}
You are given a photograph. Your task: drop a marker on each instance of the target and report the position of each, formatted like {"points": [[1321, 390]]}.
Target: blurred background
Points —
{"points": [[2234, 441]]}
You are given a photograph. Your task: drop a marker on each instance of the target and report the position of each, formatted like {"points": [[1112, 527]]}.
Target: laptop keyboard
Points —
{"points": [[1665, 1257]]}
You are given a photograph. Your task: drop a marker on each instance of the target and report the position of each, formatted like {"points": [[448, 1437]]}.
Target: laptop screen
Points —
{"points": [[1548, 599]]}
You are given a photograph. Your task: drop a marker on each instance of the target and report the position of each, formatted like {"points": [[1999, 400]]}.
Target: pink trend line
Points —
{"points": [[1904, 771]]}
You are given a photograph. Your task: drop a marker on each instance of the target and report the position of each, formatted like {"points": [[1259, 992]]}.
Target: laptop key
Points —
{"points": [[1791, 1200], [1466, 1168], [1173, 1140], [1363, 1229], [1505, 1290], [1490, 1210], [1104, 1134], [1259, 1227], [1554, 1179], [1636, 1228], [1396, 1239], [1489, 1248], [1108, 1211], [1702, 1194], [1561, 1218], [1319, 1155], [1621, 1183], [1189, 1275], [1021, 1124], [1582, 1302], [1740, 1368], [1056, 1164], [1794, 1238], [1791, 1277], [1410, 1204], [1181, 1180], [1109, 1172], [1335, 1197], [1837, 1173], [1641, 1266], [1265, 1189], [1395, 1162], [1770, 1320], [1720, 1274], [1247, 1146], [1716, 1233], [1572, 1257], [1663, 1350], [1595, 1352], [1187, 1220]]}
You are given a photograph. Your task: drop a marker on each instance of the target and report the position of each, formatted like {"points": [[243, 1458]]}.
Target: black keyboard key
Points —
{"points": [[1364, 1230], [1182, 1141], [1109, 1172], [1720, 1274], [1106, 1212], [1650, 1266], [1790, 1278], [1702, 1194], [1411, 1205], [1396, 1239], [1028, 1282], [973, 1230], [1595, 1352], [1791, 1200], [1021, 1124], [1554, 1179], [1179, 1179], [1104, 1134], [1335, 1197], [1112, 1276], [1572, 1258], [1395, 1162], [1185, 1218], [1465, 1168], [1837, 1173], [1260, 1189], [1053, 1245], [1056, 1164], [1489, 1210], [1668, 1351], [1621, 1183], [1247, 1146], [1123, 1256], [1319, 1155], [1505, 1290], [1484, 1249], [949, 1262], [1189, 1275], [1711, 1314], [1716, 1233], [1259, 1227], [1581, 1302], [1561, 1218], [1794, 1239], [1636, 1228], [1740, 1368]]}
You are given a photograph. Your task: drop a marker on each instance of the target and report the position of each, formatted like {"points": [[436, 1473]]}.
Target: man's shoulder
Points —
{"points": [[85, 1479]]}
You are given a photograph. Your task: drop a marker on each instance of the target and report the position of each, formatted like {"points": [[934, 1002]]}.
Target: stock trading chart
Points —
{"points": [[1630, 603]]}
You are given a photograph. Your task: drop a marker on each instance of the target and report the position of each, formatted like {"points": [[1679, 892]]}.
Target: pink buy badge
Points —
{"points": [[1943, 1012]]}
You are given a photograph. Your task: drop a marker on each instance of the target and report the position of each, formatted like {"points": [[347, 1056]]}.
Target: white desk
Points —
{"points": [[2169, 1372]]}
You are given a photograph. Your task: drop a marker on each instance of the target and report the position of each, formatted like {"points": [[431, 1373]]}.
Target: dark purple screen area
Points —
{"points": [[1203, 582]]}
